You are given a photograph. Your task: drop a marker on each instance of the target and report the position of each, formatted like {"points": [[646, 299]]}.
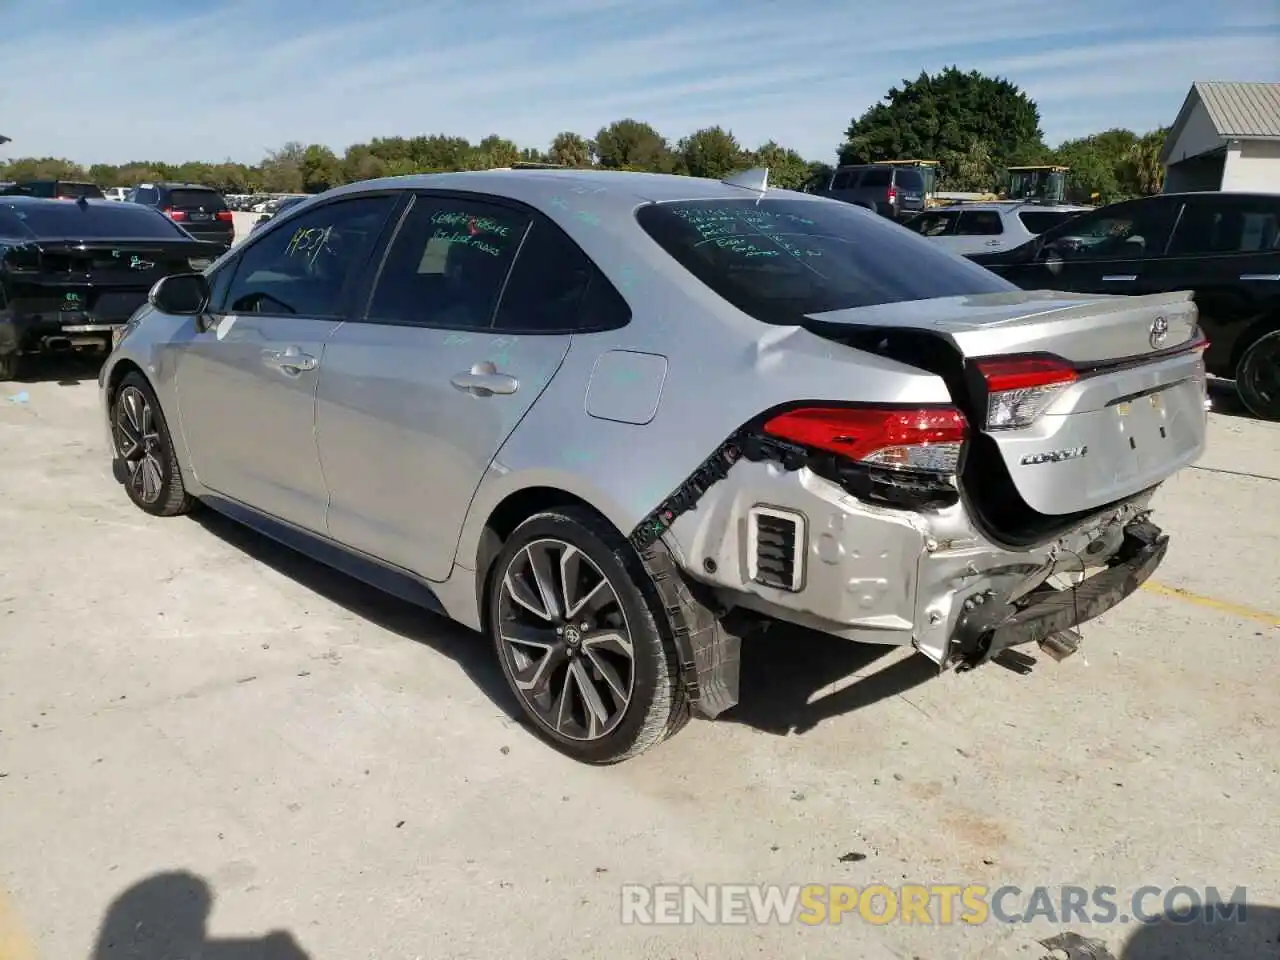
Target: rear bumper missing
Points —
{"points": [[928, 578], [983, 634]]}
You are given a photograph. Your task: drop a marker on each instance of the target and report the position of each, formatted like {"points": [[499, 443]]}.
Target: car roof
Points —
{"points": [[595, 188]]}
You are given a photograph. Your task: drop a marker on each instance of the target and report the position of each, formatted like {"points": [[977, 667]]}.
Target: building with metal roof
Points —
{"points": [[1226, 137]]}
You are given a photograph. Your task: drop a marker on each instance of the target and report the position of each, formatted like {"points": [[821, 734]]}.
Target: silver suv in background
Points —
{"points": [[989, 227], [615, 421]]}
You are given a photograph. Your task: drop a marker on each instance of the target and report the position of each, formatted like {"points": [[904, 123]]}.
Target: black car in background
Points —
{"points": [[73, 273], [54, 189], [198, 209], [898, 193], [1223, 246]]}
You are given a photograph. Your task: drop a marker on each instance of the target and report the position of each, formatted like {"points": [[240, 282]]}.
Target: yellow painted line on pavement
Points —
{"points": [[1212, 603], [14, 942]]}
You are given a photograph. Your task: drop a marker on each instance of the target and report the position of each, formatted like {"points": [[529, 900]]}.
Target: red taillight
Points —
{"points": [[919, 438], [893, 194], [173, 214], [1019, 388], [225, 216]]}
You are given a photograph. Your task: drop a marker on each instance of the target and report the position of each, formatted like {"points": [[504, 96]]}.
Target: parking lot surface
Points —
{"points": [[187, 709]]}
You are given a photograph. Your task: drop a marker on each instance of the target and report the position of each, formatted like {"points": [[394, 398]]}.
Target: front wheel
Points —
{"points": [[1258, 377], [579, 633], [151, 474]]}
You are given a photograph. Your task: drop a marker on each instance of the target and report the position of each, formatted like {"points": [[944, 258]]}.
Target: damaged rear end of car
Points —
{"points": [[1008, 515]]}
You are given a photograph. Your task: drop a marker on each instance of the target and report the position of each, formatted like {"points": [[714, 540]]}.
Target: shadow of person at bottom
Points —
{"points": [[164, 917]]}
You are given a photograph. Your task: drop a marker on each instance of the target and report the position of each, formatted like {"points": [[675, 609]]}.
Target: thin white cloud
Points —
{"points": [[794, 72]]}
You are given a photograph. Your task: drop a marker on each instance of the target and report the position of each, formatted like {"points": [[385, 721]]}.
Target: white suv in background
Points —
{"points": [[116, 193], [989, 227]]}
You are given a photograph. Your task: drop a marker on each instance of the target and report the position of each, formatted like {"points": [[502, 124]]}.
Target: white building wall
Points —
{"points": [[1198, 135], [1252, 165]]}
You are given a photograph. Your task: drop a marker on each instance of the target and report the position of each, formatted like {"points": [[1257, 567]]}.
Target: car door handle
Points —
{"points": [[1127, 276], [1260, 276], [290, 360], [993, 243], [484, 380]]}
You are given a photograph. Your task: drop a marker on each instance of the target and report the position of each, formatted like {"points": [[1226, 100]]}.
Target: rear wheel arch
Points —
{"points": [[512, 511]]}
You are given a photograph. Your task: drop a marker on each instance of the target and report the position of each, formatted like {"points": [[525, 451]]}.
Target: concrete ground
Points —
{"points": [[188, 711]]}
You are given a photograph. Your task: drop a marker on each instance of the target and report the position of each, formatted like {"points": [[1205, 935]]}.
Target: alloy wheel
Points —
{"points": [[1262, 373], [564, 636], [139, 444]]}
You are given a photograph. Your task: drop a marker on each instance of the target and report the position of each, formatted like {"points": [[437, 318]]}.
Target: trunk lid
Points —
{"points": [[1126, 413], [68, 281]]}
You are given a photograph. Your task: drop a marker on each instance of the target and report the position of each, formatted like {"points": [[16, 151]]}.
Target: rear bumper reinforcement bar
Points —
{"points": [[1048, 612]]}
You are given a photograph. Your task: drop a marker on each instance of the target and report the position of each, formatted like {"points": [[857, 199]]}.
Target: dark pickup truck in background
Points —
{"points": [[1223, 246]]}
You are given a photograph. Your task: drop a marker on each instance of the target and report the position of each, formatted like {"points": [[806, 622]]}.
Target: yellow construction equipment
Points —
{"points": [[1046, 183]]}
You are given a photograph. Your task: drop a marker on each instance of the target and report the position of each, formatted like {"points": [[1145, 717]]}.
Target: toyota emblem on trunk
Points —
{"points": [[1159, 331]]}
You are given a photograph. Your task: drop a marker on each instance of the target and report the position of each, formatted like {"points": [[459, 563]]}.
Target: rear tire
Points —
{"points": [[1258, 377], [152, 477], [583, 639]]}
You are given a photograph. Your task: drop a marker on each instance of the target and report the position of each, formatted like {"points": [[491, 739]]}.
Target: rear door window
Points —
{"points": [[979, 223], [781, 259], [1221, 224], [554, 287], [909, 180], [447, 264]]}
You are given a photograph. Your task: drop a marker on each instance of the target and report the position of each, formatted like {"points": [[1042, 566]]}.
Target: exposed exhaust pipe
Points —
{"points": [[58, 345]]}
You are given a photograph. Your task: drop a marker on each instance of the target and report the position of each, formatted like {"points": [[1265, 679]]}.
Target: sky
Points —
{"points": [[176, 80]]}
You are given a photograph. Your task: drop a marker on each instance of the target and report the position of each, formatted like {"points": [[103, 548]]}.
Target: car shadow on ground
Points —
{"points": [[1204, 934], [167, 915], [785, 666], [65, 369], [471, 651], [782, 668]]}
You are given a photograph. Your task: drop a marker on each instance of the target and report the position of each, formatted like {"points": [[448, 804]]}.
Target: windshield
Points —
{"points": [[74, 191], [778, 260], [75, 221]]}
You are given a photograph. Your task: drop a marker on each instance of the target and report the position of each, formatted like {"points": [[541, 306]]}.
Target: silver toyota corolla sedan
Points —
{"points": [[617, 421]]}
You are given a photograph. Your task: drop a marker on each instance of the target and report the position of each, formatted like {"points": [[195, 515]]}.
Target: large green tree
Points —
{"points": [[570, 149], [633, 145], [787, 169], [942, 115], [711, 152]]}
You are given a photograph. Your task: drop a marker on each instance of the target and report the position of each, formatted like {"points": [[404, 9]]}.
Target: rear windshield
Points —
{"points": [[1038, 221], [209, 199], [778, 260], [76, 221], [909, 180], [77, 190]]}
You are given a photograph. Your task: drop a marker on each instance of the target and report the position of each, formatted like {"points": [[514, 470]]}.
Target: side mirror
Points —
{"points": [[180, 295]]}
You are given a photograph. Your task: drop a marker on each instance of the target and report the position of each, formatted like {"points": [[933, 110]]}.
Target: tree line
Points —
{"points": [[973, 125]]}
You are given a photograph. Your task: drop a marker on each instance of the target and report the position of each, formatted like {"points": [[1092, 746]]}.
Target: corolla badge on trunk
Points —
{"points": [[1054, 456], [1159, 331]]}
